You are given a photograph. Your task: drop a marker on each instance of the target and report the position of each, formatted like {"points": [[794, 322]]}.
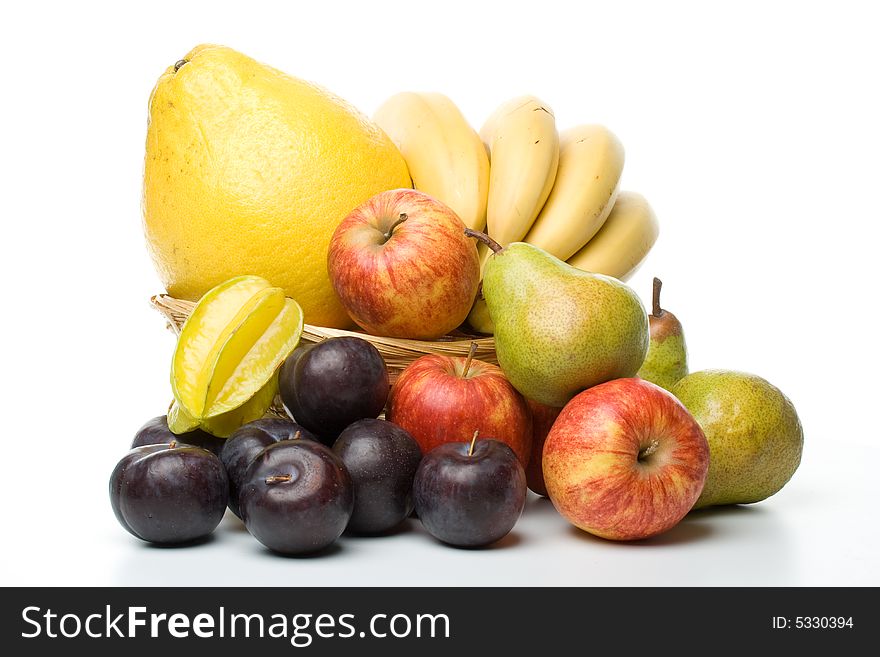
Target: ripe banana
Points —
{"points": [[523, 150], [590, 164], [445, 155], [479, 319], [623, 241]]}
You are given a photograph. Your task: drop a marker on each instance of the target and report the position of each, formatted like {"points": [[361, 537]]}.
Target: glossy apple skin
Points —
{"points": [[625, 460], [420, 281], [543, 417], [169, 493], [436, 404], [243, 446], [334, 383], [382, 460], [156, 432], [305, 513], [470, 500]]}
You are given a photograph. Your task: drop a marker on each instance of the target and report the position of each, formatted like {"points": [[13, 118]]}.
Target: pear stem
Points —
{"points": [[473, 442], [470, 357], [403, 217], [179, 63], [485, 239], [657, 311]]}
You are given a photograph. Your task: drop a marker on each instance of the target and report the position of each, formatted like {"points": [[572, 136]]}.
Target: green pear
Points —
{"points": [[560, 330], [755, 436], [666, 361]]}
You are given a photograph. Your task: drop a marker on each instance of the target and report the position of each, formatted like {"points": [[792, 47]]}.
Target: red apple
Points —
{"points": [[543, 417], [403, 267], [625, 460], [442, 399]]}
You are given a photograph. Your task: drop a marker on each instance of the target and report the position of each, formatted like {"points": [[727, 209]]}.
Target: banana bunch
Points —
{"points": [[445, 156], [522, 180]]}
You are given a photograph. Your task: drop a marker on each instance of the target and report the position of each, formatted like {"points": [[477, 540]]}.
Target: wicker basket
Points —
{"points": [[397, 352]]}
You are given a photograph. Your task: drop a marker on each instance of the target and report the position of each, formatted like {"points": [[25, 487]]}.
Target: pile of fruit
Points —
{"points": [[298, 485], [274, 203]]}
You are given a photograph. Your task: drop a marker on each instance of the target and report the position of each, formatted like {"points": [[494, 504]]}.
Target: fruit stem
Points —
{"points": [[179, 63], [470, 357], [278, 479], [473, 441], [172, 444], [403, 217], [294, 436], [657, 311], [485, 239], [647, 451]]}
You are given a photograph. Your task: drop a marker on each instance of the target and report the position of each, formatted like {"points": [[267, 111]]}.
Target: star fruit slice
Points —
{"points": [[223, 426], [236, 338]]}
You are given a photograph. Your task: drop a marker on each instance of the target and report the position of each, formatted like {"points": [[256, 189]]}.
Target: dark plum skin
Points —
{"points": [[382, 460], [297, 497], [242, 447], [331, 384], [156, 432], [171, 493], [291, 359], [470, 500]]}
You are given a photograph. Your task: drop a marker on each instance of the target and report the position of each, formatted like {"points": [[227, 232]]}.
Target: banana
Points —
{"points": [[445, 155], [523, 150], [623, 241], [478, 317], [590, 164]]}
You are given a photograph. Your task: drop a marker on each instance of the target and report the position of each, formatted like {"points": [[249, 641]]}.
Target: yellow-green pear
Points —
{"points": [[754, 433], [559, 330], [666, 361]]}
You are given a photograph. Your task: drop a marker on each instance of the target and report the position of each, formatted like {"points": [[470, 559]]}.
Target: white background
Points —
{"points": [[752, 130]]}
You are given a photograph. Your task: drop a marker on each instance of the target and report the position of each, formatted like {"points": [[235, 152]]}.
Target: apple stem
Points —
{"points": [[278, 479], [647, 451], [179, 63], [485, 239], [473, 441], [657, 311], [470, 357], [403, 217]]}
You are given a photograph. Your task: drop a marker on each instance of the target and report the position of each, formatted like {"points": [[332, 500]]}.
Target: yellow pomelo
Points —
{"points": [[249, 171]]}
